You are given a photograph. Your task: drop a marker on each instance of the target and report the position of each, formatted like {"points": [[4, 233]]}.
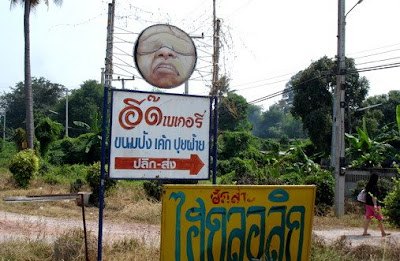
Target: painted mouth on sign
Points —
{"points": [[165, 68]]}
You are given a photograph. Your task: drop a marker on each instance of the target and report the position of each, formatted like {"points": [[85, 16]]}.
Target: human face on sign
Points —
{"points": [[165, 56]]}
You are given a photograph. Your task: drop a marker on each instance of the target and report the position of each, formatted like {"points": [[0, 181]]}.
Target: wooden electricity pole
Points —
{"points": [[216, 28]]}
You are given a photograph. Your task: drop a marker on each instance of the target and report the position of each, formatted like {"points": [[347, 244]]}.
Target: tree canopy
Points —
{"points": [[45, 96], [313, 98]]}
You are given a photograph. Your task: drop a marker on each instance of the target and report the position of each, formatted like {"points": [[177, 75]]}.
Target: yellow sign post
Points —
{"points": [[205, 222]]}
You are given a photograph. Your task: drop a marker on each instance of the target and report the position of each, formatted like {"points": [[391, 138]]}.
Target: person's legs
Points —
{"points": [[379, 217], [366, 224], [369, 213], [383, 233]]}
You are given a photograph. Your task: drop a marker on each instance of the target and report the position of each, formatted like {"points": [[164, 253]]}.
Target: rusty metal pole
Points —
{"points": [[84, 226]]}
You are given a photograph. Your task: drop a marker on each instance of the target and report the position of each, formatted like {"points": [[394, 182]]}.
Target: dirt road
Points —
{"points": [[15, 226]]}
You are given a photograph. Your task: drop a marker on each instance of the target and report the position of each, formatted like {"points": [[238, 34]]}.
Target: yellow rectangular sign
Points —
{"points": [[206, 222]]}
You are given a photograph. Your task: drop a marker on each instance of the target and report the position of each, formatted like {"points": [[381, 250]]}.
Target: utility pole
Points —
{"points": [[4, 129], [216, 27], [66, 113], [102, 76], [187, 87], [109, 50], [107, 85], [338, 145], [123, 80]]}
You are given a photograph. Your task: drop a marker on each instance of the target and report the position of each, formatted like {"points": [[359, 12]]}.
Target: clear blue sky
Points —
{"points": [[264, 42]]}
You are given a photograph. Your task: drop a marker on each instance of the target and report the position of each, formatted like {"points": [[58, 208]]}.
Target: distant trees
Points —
{"points": [[45, 96], [233, 111], [85, 105], [313, 99], [276, 122], [377, 117]]}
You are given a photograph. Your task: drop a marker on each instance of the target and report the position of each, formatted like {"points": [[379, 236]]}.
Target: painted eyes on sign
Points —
{"points": [[158, 41]]}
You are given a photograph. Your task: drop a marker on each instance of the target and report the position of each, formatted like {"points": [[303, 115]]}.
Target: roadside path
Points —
{"points": [[19, 226], [354, 237]]}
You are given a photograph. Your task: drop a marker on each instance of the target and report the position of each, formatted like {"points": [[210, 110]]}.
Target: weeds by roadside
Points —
{"points": [[70, 247], [340, 250]]}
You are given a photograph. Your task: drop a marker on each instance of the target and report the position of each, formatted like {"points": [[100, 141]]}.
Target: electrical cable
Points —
{"points": [[284, 91], [126, 31], [369, 55], [376, 61], [119, 49], [124, 70], [123, 40], [130, 65]]}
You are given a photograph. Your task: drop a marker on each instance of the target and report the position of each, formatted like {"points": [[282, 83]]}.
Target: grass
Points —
{"points": [[70, 246], [341, 251], [128, 203]]}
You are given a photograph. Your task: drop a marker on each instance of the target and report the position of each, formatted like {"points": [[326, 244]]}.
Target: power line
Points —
{"points": [[123, 40], [375, 68], [126, 31], [369, 55], [377, 48], [284, 91], [264, 79], [127, 64], [376, 61]]}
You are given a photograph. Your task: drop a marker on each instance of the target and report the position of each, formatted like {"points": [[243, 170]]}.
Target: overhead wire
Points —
{"points": [[376, 61], [284, 91]]}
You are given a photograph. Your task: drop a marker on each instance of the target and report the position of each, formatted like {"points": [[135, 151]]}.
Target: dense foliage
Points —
{"points": [[45, 96], [47, 131], [24, 165], [233, 113], [93, 177], [392, 204], [313, 98]]}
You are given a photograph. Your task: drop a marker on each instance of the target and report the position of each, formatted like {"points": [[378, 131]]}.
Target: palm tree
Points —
{"points": [[28, 5]]}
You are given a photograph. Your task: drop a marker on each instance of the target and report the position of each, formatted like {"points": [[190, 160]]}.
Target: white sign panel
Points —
{"points": [[159, 136]]}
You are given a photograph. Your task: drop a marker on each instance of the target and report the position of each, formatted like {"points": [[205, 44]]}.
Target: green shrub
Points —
{"points": [[392, 204], [292, 178], [52, 179], [245, 171], [67, 151], [153, 188], [24, 165], [325, 183], [20, 138], [228, 179], [47, 131], [85, 149], [93, 176]]}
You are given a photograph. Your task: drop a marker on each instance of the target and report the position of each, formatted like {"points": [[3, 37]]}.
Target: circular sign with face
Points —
{"points": [[165, 55]]}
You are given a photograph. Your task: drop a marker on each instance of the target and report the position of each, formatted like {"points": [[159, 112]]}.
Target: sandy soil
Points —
{"points": [[18, 226]]}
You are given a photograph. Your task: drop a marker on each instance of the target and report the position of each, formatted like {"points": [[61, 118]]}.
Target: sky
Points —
{"points": [[263, 43]]}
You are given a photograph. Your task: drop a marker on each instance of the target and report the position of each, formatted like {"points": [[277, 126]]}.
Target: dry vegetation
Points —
{"points": [[127, 204]]}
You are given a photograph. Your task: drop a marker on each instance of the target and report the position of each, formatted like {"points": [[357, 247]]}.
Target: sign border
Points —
{"points": [[308, 243], [161, 93]]}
